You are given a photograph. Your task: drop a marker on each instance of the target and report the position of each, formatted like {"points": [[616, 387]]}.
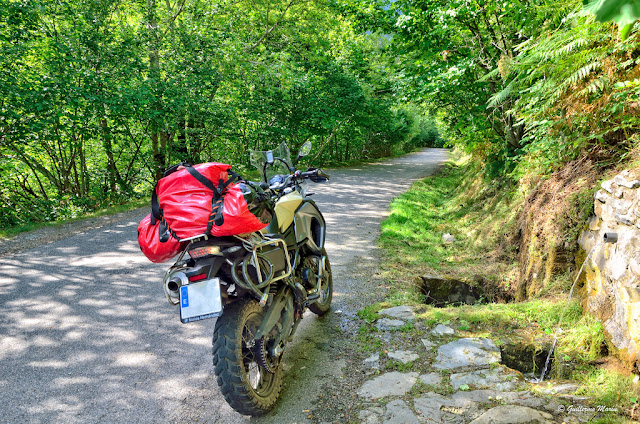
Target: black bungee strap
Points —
{"points": [[217, 200]]}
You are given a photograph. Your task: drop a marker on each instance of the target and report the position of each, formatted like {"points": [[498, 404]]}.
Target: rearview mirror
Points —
{"points": [[305, 149]]}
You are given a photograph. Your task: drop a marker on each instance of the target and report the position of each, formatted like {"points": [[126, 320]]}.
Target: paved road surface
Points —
{"points": [[87, 336]]}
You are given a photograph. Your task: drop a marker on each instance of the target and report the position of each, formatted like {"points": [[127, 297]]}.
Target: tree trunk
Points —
{"points": [[108, 150], [154, 80]]}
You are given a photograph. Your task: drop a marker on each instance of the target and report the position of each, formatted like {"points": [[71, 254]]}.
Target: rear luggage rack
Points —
{"points": [[267, 261]]}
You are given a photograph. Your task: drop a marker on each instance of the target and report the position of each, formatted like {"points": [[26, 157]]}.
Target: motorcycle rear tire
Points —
{"points": [[321, 308], [248, 387]]}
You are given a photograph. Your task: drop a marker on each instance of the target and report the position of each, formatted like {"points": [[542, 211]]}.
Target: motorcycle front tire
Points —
{"points": [[247, 386]]}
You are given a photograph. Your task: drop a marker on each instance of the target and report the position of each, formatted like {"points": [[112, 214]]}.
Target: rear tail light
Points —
{"points": [[201, 252], [197, 277]]}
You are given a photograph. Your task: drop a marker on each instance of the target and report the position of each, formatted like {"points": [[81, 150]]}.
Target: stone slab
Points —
{"points": [[494, 379], [389, 384], [399, 412], [372, 361], [468, 352], [436, 408], [404, 356], [386, 324], [565, 389], [400, 312], [432, 378], [513, 414], [428, 344], [443, 330], [371, 415]]}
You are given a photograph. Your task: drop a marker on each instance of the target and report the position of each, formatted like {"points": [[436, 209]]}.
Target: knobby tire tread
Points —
{"points": [[229, 369]]}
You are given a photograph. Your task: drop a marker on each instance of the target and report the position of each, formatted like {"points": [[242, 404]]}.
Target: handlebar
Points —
{"points": [[280, 182], [314, 174]]}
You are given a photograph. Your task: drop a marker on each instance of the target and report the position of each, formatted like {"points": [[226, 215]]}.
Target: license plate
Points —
{"points": [[200, 300]]}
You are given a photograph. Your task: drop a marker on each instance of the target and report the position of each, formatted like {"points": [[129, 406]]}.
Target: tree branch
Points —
{"points": [[270, 30]]}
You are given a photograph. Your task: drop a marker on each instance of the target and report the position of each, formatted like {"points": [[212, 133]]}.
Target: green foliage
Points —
{"points": [[623, 12], [607, 388], [369, 313], [98, 98]]}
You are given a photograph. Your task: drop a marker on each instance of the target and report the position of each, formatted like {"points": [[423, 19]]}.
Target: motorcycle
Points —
{"points": [[258, 285]]}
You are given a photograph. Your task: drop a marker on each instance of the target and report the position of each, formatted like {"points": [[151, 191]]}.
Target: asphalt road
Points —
{"points": [[87, 336]]}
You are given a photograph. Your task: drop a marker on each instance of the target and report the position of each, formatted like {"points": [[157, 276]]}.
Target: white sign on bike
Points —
{"points": [[200, 300]]}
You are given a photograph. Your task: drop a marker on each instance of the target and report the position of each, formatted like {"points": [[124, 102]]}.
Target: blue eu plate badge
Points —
{"points": [[200, 300]]}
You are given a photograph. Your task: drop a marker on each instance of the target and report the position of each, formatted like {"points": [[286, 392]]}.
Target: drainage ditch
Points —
{"points": [[443, 292]]}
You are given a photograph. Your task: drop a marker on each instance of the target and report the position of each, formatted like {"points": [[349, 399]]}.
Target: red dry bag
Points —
{"points": [[149, 239], [201, 199]]}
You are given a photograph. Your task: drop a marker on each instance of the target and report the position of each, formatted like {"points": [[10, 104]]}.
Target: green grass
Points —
{"points": [[370, 313], [135, 204], [482, 218], [478, 216]]}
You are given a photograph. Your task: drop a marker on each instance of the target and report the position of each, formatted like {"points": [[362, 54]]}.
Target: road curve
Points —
{"points": [[86, 334]]}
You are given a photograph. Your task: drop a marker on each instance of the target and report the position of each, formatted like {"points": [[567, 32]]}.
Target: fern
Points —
{"points": [[501, 96]]}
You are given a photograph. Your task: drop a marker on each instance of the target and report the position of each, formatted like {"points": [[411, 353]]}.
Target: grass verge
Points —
{"points": [[482, 218]]}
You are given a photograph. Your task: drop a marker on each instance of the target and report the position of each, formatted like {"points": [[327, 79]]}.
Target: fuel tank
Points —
{"points": [[300, 222]]}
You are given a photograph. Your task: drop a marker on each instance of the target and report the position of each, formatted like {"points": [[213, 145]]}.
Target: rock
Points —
{"points": [[438, 409], [443, 330], [386, 324], [494, 379], [401, 312], [566, 388], [466, 353], [618, 266], [480, 396], [389, 384], [403, 356], [623, 182], [428, 344], [371, 415], [621, 206], [573, 398], [372, 361], [607, 186], [525, 399], [594, 223], [554, 406], [601, 196], [625, 219], [431, 379], [399, 412], [448, 238], [429, 406], [512, 414], [634, 266]]}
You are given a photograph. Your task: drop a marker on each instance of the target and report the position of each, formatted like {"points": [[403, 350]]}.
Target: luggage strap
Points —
{"points": [[217, 201]]}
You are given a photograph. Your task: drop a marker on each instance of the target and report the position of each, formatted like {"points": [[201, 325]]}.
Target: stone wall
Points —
{"points": [[612, 284]]}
